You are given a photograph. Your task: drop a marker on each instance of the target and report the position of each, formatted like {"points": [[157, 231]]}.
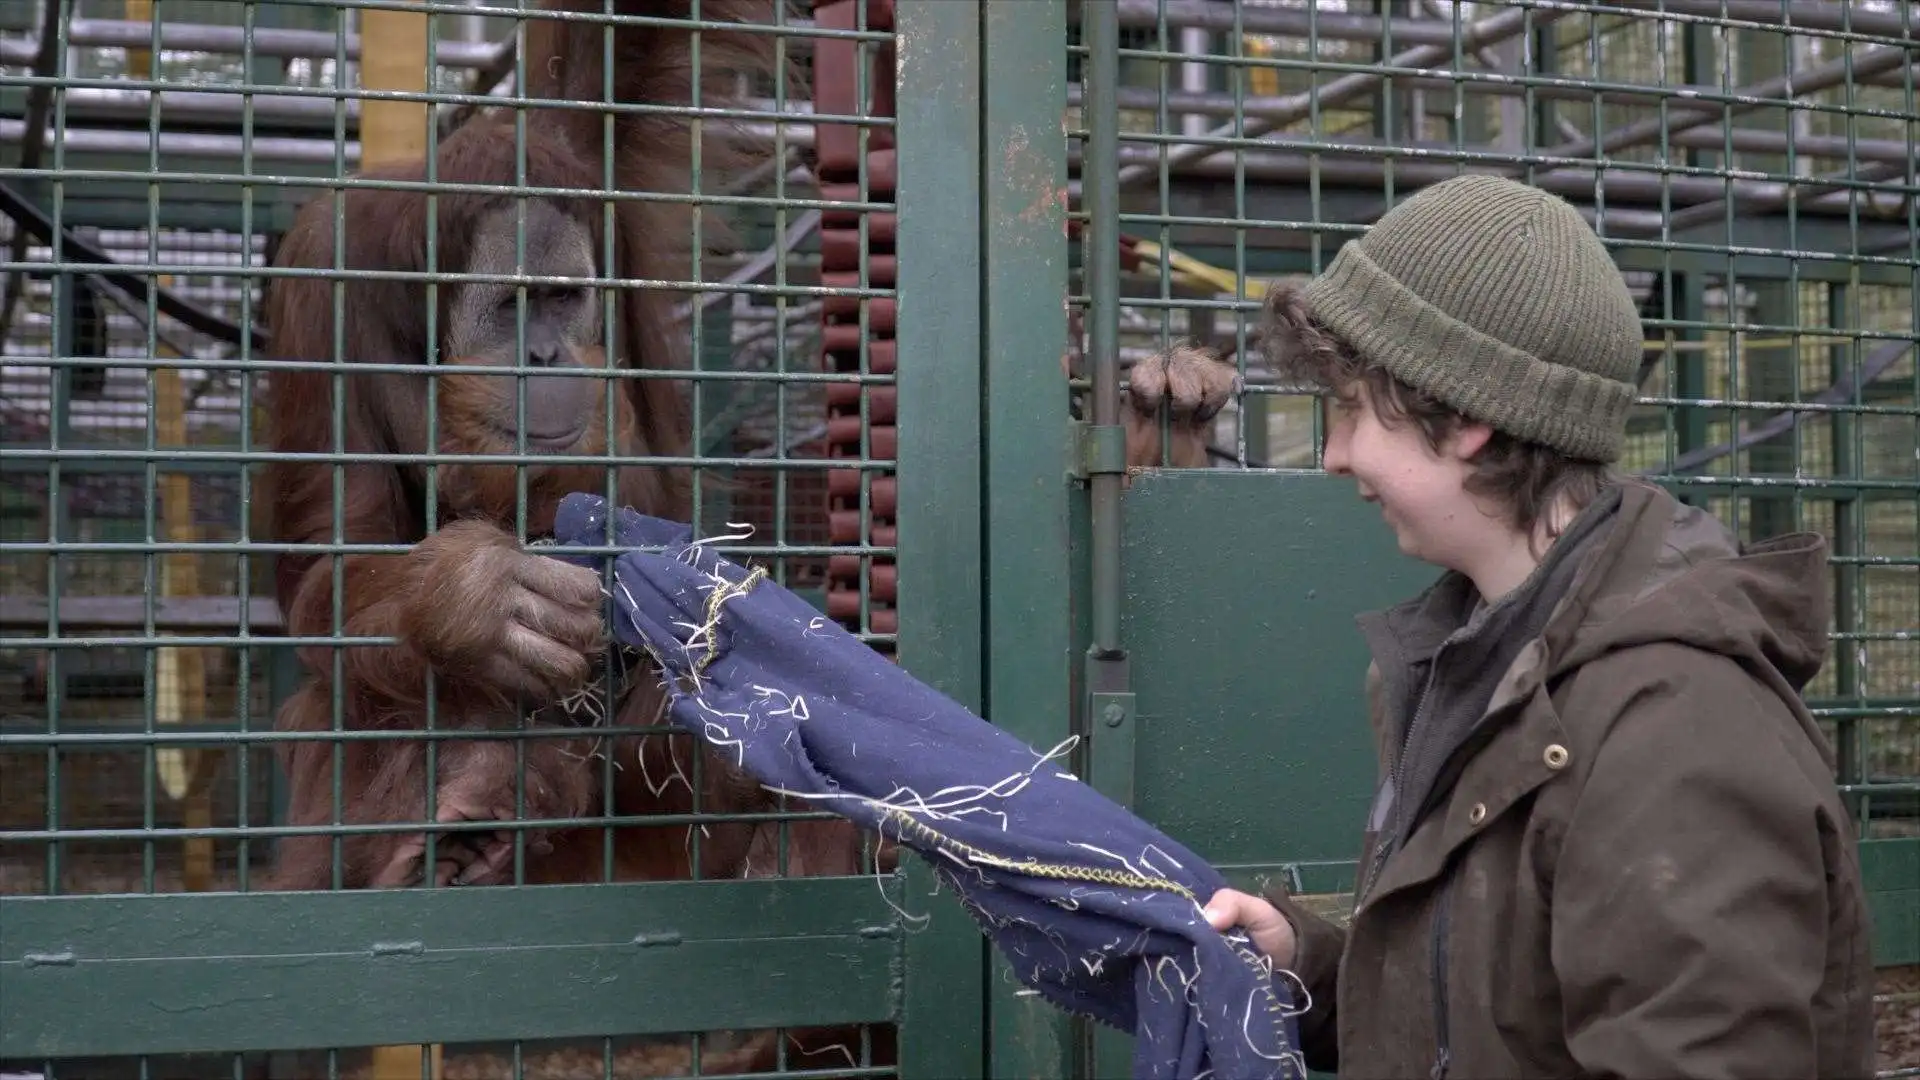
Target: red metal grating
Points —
{"points": [[837, 75], [754, 500]]}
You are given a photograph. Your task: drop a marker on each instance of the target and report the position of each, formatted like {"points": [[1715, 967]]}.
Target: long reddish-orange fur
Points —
{"points": [[385, 687]]}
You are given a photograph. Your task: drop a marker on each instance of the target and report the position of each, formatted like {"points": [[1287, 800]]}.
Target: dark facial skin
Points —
{"points": [[563, 327]]}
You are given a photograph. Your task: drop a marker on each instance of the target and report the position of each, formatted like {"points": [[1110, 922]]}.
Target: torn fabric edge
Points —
{"points": [[1093, 908]]}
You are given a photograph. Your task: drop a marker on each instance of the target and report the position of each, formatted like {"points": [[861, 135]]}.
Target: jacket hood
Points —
{"points": [[1673, 573]]}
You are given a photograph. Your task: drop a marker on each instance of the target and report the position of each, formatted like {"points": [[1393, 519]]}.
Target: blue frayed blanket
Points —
{"points": [[1094, 908]]}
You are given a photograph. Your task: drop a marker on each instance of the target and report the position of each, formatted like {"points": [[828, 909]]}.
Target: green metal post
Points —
{"points": [[1109, 703], [1024, 274], [940, 477], [59, 571], [1106, 723], [1843, 361]]}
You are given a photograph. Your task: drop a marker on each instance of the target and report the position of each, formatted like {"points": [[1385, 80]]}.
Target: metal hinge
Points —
{"points": [[1098, 450]]}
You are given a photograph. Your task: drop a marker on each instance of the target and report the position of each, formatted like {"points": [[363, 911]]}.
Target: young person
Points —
{"points": [[1606, 839]]}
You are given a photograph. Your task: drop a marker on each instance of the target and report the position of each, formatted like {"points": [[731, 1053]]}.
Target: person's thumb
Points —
{"points": [[1223, 909], [1269, 930]]}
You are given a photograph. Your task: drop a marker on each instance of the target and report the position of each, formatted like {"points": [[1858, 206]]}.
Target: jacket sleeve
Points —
{"points": [[1690, 899], [1318, 943]]}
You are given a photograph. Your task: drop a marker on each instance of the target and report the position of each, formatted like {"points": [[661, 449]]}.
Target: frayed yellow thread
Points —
{"points": [[1057, 871], [1095, 874], [710, 629]]}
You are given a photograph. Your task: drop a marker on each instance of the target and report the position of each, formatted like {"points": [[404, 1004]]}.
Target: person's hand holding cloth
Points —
{"points": [[1092, 907]]}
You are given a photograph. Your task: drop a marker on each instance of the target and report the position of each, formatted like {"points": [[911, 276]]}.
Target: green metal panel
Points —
{"points": [[187, 973], [1262, 697], [1892, 872]]}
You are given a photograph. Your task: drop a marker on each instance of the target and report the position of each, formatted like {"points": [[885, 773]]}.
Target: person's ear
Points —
{"points": [[1468, 439]]}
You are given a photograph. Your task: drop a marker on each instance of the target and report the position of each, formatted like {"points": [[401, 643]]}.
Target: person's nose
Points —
{"points": [[1334, 457]]}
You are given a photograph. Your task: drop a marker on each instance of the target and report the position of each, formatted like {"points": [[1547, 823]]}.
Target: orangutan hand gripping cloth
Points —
{"points": [[1094, 908]]}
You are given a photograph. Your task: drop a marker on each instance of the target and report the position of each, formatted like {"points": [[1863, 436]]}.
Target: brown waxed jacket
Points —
{"points": [[1633, 862]]}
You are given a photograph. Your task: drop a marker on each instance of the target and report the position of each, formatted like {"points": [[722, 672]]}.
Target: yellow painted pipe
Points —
{"points": [[393, 56], [1189, 271], [180, 684]]}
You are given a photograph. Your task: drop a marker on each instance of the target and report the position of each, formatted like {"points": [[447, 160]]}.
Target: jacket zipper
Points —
{"points": [[1385, 845], [1443, 1058]]}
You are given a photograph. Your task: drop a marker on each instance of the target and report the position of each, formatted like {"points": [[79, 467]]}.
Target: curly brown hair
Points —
{"points": [[1526, 480]]}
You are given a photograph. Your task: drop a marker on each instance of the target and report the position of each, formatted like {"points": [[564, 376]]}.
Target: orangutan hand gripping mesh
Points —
{"points": [[1095, 909]]}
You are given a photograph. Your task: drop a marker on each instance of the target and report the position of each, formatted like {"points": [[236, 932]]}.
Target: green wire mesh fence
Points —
{"points": [[1751, 167], [159, 156], [1755, 183]]}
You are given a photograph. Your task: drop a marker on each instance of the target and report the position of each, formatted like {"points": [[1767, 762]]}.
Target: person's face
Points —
{"points": [[1420, 491]]}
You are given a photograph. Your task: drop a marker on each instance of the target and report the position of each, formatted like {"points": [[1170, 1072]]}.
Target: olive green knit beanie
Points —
{"points": [[1498, 300]]}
